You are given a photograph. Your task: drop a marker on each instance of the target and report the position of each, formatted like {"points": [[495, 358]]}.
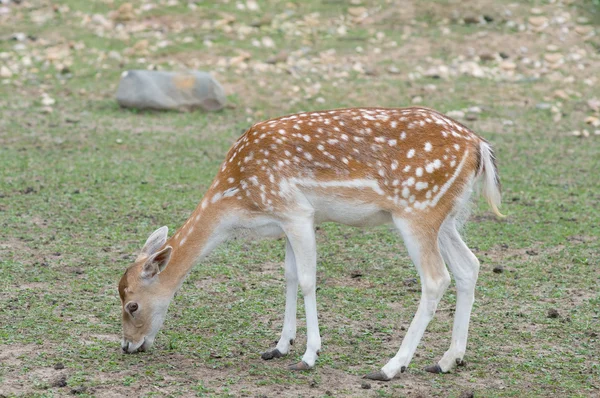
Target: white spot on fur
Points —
{"points": [[419, 186]]}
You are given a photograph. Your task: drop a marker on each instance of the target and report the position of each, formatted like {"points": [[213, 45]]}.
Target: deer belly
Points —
{"points": [[355, 214]]}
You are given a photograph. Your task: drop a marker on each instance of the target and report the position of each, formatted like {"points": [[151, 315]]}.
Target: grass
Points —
{"points": [[83, 187]]}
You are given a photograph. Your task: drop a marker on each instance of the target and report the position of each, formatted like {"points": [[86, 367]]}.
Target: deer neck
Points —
{"points": [[195, 240]]}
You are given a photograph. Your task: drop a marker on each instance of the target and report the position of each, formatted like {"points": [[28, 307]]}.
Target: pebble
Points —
{"points": [[539, 21], [268, 42], [562, 94], [456, 114], [417, 99], [19, 36], [583, 30], [470, 20], [593, 120], [474, 109], [125, 12], [101, 20], [47, 100], [498, 269], [252, 5], [543, 105], [61, 381], [357, 11], [5, 72], [580, 133], [78, 390], [365, 386], [393, 70], [409, 281], [282, 56], [508, 65], [115, 55], [594, 104], [553, 58]]}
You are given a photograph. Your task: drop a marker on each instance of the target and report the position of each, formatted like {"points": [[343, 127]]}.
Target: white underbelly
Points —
{"points": [[351, 213], [322, 208]]}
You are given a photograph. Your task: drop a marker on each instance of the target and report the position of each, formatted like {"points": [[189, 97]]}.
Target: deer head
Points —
{"points": [[144, 301]]}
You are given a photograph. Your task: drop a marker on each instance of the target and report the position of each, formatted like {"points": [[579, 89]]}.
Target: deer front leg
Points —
{"points": [[301, 236], [288, 334]]}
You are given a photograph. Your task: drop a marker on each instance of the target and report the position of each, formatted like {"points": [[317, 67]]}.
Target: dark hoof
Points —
{"points": [[299, 366], [378, 376], [433, 369], [271, 354]]}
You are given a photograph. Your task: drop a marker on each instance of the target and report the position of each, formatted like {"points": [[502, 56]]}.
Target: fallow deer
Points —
{"points": [[412, 167]]}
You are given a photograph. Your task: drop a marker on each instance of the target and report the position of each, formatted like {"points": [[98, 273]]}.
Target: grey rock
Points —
{"points": [[143, 89]]}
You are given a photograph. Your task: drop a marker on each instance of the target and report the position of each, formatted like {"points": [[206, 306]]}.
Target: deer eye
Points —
{"points": [[131, 307]]}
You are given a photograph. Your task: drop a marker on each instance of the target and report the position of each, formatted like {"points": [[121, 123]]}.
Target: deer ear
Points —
{"points": [[156, 263], [155, 241]]}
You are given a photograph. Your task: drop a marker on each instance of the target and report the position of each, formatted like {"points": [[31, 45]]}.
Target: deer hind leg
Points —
{"points": [[301, 236], [424, 252], [288, 334], [464, 267]]}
